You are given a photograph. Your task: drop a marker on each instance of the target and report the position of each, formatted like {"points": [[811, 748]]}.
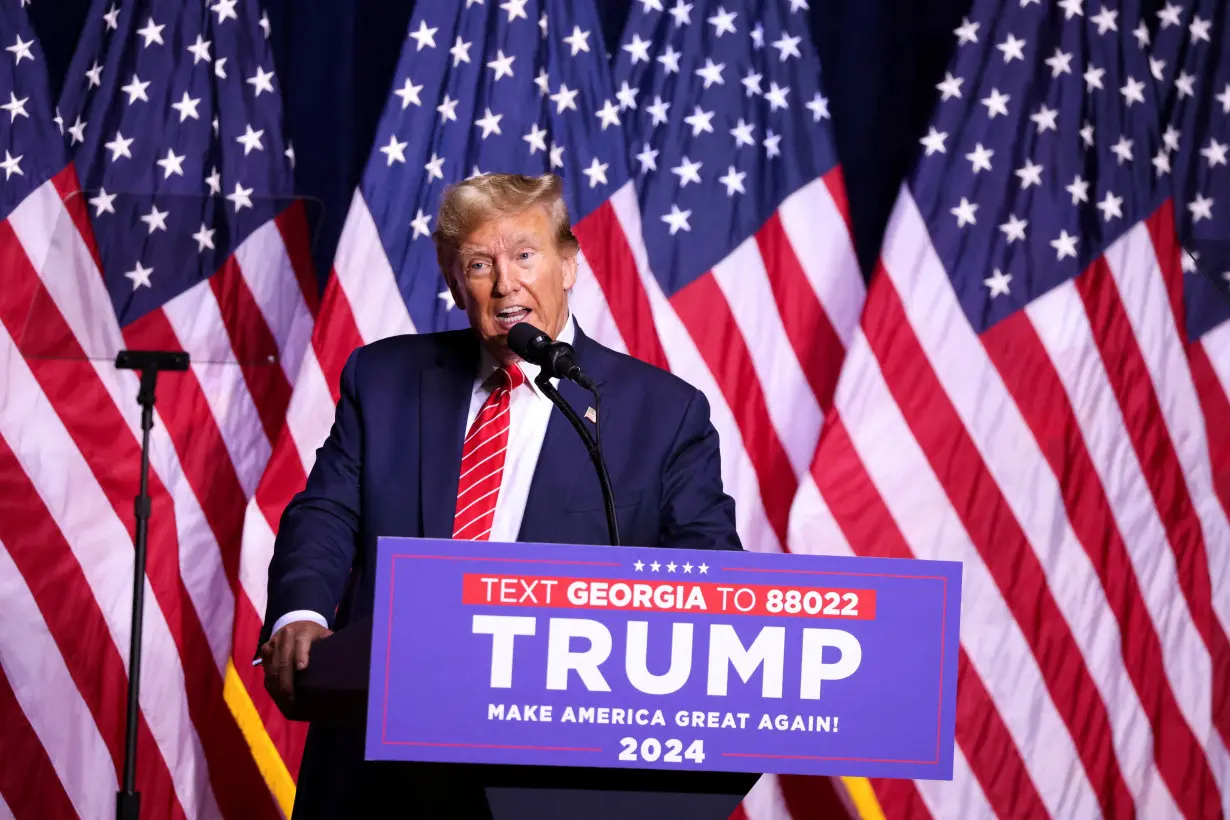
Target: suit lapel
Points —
{"points": [[446, 389]]}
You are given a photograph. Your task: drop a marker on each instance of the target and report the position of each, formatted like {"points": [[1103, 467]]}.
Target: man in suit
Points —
{"points": [[445, 435]]}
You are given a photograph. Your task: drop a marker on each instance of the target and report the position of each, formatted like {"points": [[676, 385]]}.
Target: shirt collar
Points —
{"points": [[488, 364]]}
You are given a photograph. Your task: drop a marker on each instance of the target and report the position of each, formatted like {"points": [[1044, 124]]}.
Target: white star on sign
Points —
{"points": [[1111, 207], [537, 138], [241, 198], [16, 107], [395, 151], [788, 46], [655, 566], [1123, 150], [565, 99], [1030, 174], [723, 21], [687, 171], [136, 89], [409, 93], [626, 96], [251, 140], [996, 104], [1079, 189], [648, 159], [225, 10], [733, 181], [140, 276], [819, 107], [638, 48], [639, 566], [964, 213], [1065, 245], [489, 122], [677, 219], [172, 164], [596, 172], [658, 111], [1060, 63], [21, 49], [204, 238], [434, 167], [1133, 92], [1214, 153], [950, 87], [119, 147], [502, 65], [156, 219], [608, 113], [671, 566], [711, 73], [261, 81], [151, 33], [777, 97], [687, 567], [700, 121], [998, 283], [200, 50], [934, 142], [578, 40], [424, 37], [704, 569], [103, 202], [419, 223], [1201, 207], [12, 165], [980, 158], [1014, 228], [1012, 48], [187, 107]]}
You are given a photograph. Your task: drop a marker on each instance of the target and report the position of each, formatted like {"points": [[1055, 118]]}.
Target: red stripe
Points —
{"points": [[335, 336], [996, 534], [899, 799], [870, 529], [76, 203], [284, 476], [68, 606], [1216, 408], [610, 258], [738, 813], [705, 313], [31, 788], [835, 182], [113, 454], [1021, 359], [811, 798], [296, 233], [1146, 426], [253, 346], [816, 344]]}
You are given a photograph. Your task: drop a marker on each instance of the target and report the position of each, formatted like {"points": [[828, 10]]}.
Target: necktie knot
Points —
{"points": [[511, 377]]}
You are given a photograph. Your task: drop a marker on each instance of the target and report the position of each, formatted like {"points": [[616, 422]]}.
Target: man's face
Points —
{"points": [[509, 270]]}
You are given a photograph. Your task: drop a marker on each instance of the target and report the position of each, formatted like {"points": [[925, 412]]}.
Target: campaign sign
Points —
{"points": [[560, 655]]}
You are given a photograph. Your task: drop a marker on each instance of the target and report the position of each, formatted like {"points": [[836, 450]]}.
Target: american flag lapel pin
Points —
{"points": [[592, 415]]}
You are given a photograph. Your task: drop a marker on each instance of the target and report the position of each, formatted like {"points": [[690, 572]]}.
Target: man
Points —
{"points": [[446, 435]]}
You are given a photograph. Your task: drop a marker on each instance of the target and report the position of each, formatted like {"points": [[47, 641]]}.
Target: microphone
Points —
{"points": [[557, 359]]}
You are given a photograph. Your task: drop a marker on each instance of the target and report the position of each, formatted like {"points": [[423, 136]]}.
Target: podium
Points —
{"points": [[332, 692]]}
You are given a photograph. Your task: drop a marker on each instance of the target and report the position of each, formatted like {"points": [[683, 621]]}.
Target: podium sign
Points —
{"points": [[691, 660]]}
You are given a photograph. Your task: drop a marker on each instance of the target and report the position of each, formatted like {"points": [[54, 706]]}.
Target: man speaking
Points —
{"points": [[446, 435]]}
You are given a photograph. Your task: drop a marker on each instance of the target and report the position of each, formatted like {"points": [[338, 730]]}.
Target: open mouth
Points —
{"points": [[510, 316]]}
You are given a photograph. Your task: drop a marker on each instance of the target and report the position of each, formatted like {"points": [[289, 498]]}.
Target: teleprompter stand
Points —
{"points": [[149, 363], [333, 690]]}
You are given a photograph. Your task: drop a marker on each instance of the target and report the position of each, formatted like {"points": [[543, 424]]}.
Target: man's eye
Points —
{"points": [[525, 255]]}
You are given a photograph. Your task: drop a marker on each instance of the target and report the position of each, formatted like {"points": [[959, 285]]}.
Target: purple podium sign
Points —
{"points": [[561, 655]]}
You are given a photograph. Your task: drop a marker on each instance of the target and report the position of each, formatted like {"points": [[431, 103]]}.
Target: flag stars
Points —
{"points": [[626, 96], [1199, 30], [21, 50], [460, 51], [261, 81], [112, 17], [556, 155], [1141, 33], [1060, 63], [1201, 207], [1030, 174], [658, 111], [934, 142], [655, 566], [687, 568], [1046, 119], [12, 165], [103, 202], [501, 65], [1014, 229], [543, 81], [172, 164], [733, 181], [409, 93], [819, 108], [1086, 133], [742, 133], [997, 283], [446, 296], [136, 89], [1161, 161], [681, 12], [965, 213], [967, 32], [1133, 91], [687, 171], [711, 73], [264, 24], [156, 219], [16, 107], [542, 24], [220, 68], [251, 140], [596, 172], [489, 122], [723, 22], [1071, 8], [140, 276], [752, 83], [788, 47], [1123, 150], [1012, 48], [76, 131], [94, 75], [949, 87], [777, 96], [565, 99], [1111, 207], [578, 41], [1170, 139], [700, 121], [200, 50], [151, 33], [704, 569], [1170, 15], [434, 167], [1214, 153], [395, 151], [1106, 20], [214, 181], [515, 9], [638, 48], [677, 220], [447, 109], [639, 566], [671, 566], [670, 60], [187, 107], [241, 197], [204, 238], [980, 158], [425, 37], [608, 113], [1064, 246], [1093, 78], [225, 9], [996, 103], [772, 144], [1079, 189], [648, 158], [1157, 68], [119, 146], [420, 224], [537, 139], [1186, 84]]}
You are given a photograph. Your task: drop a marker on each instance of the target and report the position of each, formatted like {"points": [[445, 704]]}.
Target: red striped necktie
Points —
{"points": [[482, 460]]}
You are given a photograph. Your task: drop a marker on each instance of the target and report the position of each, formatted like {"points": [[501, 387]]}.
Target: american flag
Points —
{"points": [[172, 227], [1031, 392], [703, 187]]}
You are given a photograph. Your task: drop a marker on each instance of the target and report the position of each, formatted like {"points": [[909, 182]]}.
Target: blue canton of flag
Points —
{"points": [[1190, 60], [174, 125], [515, 87], [28, 137]]}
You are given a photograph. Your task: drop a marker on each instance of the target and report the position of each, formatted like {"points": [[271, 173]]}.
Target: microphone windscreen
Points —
{"points": [[527, 341]]}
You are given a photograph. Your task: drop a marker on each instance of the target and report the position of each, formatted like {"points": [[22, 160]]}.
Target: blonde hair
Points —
{"points": [[467, 204]]}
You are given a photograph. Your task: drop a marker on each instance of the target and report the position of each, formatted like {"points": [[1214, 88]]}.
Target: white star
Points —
{"points": [[1071, 8], [119, 147], [556, 154], [225, 9], [543, 81], [1201, 207], [743, 133], [1030, 174], [998, 283], [1014, 228], [434, 167], [537, 138], [777, 97], [290, 154], [565, 99], [460, 51], [156, 219], [578, 41], [424, 37], [12, 165], [655, 566], [136, 89], [626, 96], [220, 68], [700, 121], [965, 213], [704, 569], [1171, 138], [1087, 135], [677, 219], [419, 223], [967, 32], [608, 113], [1189, 261], [261, 81], [639, 566], [58, 120], [94, 75], [711, 73], [752, 83], [204, 238], [1141, 33], [1133, 92], [1111, 206], [395, 151], [1105, 20], [934, 142], [681, 11], [77, 131], [788, 46], [1093, 77], [687, 567], [515, 9], [1013, 49], [723, 21], [251, 140], [733, 181], [446, 296], [1186, 83], [819, 107], [772, 144], [187, 107], [502, 65], [171, 164], [1123, 150], [980, 158], [671, 566], [648, 158], [241, 198], [687, 171], [950, 87], [409, 93], [16, 107], [214, 181], [1046, 119], [1060, 62], [151, 33], [639, 49], [1161, 161], [489, 122], [1065, 245], [1214, 153], [1169, 16], [1079, 189], [1156, 68], [140, 276], [658, 110], [997, 103], [200, 50], [798, 5], [103, 202], [596, 172], [1199, 30], [21, 49], [447, 109], [264, 24], [542, 24], [670, 60], [112, 18]]}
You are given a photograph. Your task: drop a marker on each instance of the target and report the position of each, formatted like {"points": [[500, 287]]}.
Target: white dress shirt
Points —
{"points": [[529, 413]]}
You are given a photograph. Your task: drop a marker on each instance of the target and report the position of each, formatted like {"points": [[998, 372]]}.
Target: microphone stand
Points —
{"points": [[593, 446], [150, 363]]}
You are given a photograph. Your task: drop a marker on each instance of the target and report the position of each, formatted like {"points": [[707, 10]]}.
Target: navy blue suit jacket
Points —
{"points": [[390, 467]]}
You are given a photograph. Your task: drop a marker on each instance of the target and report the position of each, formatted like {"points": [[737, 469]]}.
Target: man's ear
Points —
{"points": [[458, 294], [570, 270]]}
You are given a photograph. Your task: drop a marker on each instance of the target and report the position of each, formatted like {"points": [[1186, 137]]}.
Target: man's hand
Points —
{"points": [[285, 652]]}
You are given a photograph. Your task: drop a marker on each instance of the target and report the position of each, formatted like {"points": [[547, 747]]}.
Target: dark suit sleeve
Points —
{"points": [[318, 534], [696, 512]]}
